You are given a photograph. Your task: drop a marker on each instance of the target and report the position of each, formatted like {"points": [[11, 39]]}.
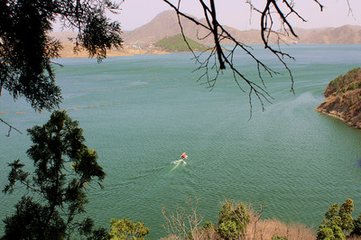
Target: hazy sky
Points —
{"points": [[236, 13]]}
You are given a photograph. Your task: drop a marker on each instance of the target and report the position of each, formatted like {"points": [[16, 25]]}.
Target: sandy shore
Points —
{"points": [[68, 52]]}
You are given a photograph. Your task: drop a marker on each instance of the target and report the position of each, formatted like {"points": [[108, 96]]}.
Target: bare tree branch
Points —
{"points": [[212, 62], [350, 12], [10, 128], [183, 222], [216, 38]]}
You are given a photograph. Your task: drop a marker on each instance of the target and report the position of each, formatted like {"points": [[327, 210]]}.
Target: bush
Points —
{"points": [[325, 233], [279, 238], [122, 229], [338, 222], [233, 220]]}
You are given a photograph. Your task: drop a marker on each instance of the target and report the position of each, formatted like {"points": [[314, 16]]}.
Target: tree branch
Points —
{"points": [[273, 14], [10, 128], [215, 34]]}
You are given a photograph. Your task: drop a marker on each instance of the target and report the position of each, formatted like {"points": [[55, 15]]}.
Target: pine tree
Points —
{"points": [[63, 168]]}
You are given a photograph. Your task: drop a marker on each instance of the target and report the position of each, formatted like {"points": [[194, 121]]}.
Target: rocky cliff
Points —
{"points": [[343, 98]]}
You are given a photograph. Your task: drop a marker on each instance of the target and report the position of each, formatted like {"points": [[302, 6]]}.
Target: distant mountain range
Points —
{"points": [[143, 40], [165, 24]]}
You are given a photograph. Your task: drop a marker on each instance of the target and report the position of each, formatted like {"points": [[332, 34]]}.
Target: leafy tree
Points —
{"points": [[233, 220], [63, 167], [26, 49], [357, 225], [347, 222], [123, 229], [338, 222], [325, 233], [332, 215]]}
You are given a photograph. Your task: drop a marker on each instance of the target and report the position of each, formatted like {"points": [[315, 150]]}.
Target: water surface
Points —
{"points": [[140, 113]]}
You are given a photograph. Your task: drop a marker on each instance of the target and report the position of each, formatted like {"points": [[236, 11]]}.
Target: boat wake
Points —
{"points": [[178, 163]]}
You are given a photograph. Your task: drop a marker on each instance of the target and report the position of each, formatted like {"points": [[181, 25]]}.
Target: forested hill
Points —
{"points": [[343, 98]]}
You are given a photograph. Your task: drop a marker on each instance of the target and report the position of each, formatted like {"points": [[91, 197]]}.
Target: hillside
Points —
{"points": [[176, 43], [343, 98], [141, 40], [165, 24], [347, 34]]}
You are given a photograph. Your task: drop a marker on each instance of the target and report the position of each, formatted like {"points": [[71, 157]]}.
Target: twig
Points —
{"points": [[10, 128]]}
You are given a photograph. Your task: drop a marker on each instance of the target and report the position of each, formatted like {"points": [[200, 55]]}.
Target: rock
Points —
{"points": [[343, 98]]}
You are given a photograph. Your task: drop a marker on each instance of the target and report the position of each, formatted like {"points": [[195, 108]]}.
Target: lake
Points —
{"points": [[141, 112]]}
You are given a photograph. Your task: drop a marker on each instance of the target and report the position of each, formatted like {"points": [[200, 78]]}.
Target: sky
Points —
{"points": [[235, 13]]}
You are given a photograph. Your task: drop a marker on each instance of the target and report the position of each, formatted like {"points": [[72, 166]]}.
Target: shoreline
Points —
{"points": [[335, 115], [68, 52]]}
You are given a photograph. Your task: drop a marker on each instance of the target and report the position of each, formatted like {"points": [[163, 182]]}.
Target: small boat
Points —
{"points": [[184, 156]]}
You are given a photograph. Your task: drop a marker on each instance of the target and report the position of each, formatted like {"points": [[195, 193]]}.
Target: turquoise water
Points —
{"points": [[140, 113]]}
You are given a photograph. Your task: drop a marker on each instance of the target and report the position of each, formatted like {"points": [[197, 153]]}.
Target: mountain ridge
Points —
{"points": [[165, 24], [142, 39]]}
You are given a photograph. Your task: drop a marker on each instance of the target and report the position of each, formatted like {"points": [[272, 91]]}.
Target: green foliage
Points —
{"points": [[347, 82], [208, 225], [229, 230], [176, 43], [233, 220], [338, 233], [123, 229], [325, 233], [63, 167], [332, 216], [33, 221], [338, 222], [357, 225], [279, 238], [347, 223], [27, 50]]}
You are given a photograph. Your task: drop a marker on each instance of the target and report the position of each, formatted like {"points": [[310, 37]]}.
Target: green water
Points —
{"points": [[140, 113]]}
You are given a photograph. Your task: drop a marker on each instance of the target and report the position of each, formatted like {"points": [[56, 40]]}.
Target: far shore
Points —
{"points": [[68, 52]]}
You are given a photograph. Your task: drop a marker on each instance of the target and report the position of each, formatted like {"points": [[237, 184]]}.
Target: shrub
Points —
{"points": [[233, 220], [122, 229], [338, 222], [325, 233], [279, 238]]}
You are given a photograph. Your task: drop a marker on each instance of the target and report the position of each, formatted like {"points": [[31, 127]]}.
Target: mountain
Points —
{"points": [[166, 24], [142, 40], [347, 34]]}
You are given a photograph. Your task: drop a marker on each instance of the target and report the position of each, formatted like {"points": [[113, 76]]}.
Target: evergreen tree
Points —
{"points": [[347, 222], [123, 229], [63, 168], [338, 222], [233, 220], [26, 48]]}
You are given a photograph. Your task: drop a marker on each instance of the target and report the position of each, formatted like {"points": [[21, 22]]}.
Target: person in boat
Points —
{"points": [[184, 156]]}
